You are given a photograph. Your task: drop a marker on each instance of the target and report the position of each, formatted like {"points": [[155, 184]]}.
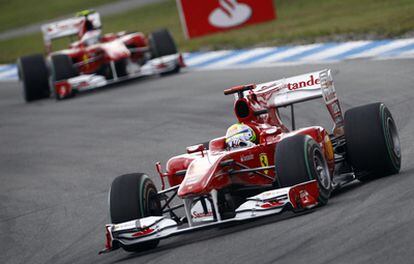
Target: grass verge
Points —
{"points": [[299, 21]]}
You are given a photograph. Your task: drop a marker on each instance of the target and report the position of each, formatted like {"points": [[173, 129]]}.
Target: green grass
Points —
{"points": [[299, 21], [17, 13]]}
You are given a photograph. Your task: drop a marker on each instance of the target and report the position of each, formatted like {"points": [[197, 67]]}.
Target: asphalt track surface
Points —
{"points": [[57, 160]]}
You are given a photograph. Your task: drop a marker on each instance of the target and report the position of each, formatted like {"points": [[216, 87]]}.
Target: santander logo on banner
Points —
{"points": [[210, 16], [230, 14]]}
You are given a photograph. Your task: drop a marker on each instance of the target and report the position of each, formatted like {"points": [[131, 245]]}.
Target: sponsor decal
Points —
{"points": [[229, 13], [303, 84], [328, 89], [202, 210], [264, 93], [271, 204], [339, 120], [335, 108], [264, 161], [303, 194], [202, 214], [62, 88], [247, 157], [126, 225], [273, 193], [329, 93], [200, 18]]}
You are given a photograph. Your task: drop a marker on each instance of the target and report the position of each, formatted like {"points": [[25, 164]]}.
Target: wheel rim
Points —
{"points": [[321, 169], [152, 203], [393, 135]]}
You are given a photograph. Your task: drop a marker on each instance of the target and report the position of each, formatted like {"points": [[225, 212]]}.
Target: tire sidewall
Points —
{"points": [[387, 120], [312, 149], [141, 188], [147, 195], [294, 164], [134, 193], [162, 43], [370, 132], [33, 74]]}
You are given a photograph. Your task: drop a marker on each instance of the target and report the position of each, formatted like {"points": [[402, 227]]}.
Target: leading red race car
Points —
{"points": [[94, 60], [277, 170]]}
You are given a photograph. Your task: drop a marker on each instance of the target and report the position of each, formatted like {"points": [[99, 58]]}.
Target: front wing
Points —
{"points": [[298, 197], [84, 82]]}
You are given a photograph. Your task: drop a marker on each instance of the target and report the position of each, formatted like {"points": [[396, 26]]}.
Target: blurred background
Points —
{"points": [[298, 22]]}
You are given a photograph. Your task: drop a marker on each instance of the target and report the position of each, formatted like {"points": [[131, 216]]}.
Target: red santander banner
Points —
{"points": [[202, 17]]}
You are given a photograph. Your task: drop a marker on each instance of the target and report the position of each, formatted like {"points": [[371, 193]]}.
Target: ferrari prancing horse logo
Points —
{"points": [[85, 59], [264, 161]]}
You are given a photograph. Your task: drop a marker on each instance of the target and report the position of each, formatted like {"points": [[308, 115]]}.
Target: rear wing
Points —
{"points": [[301, 88], [289, 91], [67, 27]]}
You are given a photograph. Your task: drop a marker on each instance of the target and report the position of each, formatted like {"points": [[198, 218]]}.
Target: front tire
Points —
{"points": [[373, 145], [134, 196], [161, 44], [34, 74], [300, 159], [62, 67]]}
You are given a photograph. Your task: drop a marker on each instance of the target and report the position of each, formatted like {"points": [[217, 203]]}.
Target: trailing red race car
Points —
{"points": [[94, 60], [259, 168]]}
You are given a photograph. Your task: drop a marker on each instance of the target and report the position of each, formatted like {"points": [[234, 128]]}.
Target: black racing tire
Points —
{"points": [[300, 159], [34, 74], [162, 43], [120, 68], [372, 142], [62, 67], [133, 196]]}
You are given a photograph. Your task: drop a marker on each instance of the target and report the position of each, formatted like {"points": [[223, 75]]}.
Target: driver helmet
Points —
{"points": [[240, 135], [85, 13], [88, 23]]}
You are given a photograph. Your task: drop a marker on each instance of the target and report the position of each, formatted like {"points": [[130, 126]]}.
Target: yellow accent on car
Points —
{"points": [[264, 161], [85, 59], [329, 152]]}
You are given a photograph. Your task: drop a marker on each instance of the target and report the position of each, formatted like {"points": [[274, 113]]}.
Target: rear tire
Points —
{"points": [[134, 196], [299, 159], [373, 145], [34, 74]]}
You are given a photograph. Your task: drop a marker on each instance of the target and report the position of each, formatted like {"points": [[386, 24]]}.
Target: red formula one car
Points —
{"points": [[94, 60], [278, 170]]}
